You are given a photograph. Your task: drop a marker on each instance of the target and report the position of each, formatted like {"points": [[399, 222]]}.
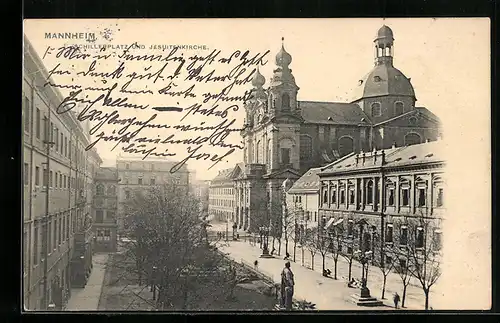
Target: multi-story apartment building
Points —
{"points": [[105, 209], [378, 197], [57, 179], [136, 174], [222, 196]]}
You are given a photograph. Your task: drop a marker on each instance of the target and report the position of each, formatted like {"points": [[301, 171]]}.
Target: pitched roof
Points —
{"points": [[109, 173], [383, 80], [224, 174], [332, 113], [399, 156], [307, 183]]}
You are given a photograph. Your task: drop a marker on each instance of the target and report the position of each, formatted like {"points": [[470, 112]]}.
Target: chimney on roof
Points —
{"points": [[382, 154]]}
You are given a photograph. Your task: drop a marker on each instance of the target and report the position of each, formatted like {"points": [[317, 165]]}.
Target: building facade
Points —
{"points": [[105, 209], [135, 174], [376, 198], [303, 199], [221, 202], [284, 137], [57, 178]]}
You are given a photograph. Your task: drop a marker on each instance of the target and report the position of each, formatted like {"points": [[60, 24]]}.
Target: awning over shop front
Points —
{"points": [[339, 221], [329, 223]]}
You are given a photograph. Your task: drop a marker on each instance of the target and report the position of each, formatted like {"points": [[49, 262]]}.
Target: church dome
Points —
{"points": [[385, 32], [383, 80], [283, 58], [258, 79]]}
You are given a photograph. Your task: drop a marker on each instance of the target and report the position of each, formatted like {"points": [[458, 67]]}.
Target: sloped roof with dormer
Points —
{"points": [[332, 113], [223, 175], [429, 152], [307, 183]]}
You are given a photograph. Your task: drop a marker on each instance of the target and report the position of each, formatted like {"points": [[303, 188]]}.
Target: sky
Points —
{"points": [[443, 57], [447, 59]]}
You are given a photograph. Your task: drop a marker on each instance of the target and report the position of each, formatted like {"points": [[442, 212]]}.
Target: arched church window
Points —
{"points": [[100, 189], [285, 102], [305, 147], [398, 107], [376, 109], [412, 139], [346, 146]]}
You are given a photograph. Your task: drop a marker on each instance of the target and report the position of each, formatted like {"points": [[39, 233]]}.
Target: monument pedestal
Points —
{"points": [[265, 254], [363, 298]]}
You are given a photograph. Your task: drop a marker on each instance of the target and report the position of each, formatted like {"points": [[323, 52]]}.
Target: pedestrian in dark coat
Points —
{"points": [[396, 300]]}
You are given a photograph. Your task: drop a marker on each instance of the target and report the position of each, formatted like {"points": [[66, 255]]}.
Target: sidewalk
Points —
{"points": [[87, 298], [327, 293]]}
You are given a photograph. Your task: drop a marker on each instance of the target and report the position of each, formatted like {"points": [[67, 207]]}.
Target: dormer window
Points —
{"points": [[377, 78], [398, 107], [376, 109]]}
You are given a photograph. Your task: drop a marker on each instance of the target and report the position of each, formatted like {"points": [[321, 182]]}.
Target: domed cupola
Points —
{"points": [[258, 79], [283, 59], [283, 74], [384, 79], [258, 82]]}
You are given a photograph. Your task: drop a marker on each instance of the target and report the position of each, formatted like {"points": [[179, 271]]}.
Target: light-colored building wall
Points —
{"points": [[68, 183], [138, 174]]}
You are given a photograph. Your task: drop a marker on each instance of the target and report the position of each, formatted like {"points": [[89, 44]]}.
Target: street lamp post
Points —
{"points": [[227, 227]]}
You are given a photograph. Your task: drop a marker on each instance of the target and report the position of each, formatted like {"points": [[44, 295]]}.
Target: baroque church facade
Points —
{"points": [[284, 137]]}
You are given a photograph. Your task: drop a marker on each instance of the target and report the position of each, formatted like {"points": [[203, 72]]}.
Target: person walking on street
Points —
{"points": [[396, 300], [287, 284], [256, 265]]}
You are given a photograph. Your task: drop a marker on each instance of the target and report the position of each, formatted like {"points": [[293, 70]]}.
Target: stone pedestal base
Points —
{"points": [[361, 300], [266, 255]]}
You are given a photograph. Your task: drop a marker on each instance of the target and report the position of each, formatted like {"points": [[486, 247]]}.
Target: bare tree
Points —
{"points": [[323, 245], [335, 235], [349, 255], [311, 242], [424, 253], [169, 235], [401, 256], [385, 264]]}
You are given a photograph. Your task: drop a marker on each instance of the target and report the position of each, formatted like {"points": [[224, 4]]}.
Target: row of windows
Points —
{"points": [[152, 181], [376, 108], [100, 189], [103, 235], [419, 239], [99, 216], [372, 193], [222, 215], [221, 191], [55, 179], [60, 229], [61, 144], [221, 202]]}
